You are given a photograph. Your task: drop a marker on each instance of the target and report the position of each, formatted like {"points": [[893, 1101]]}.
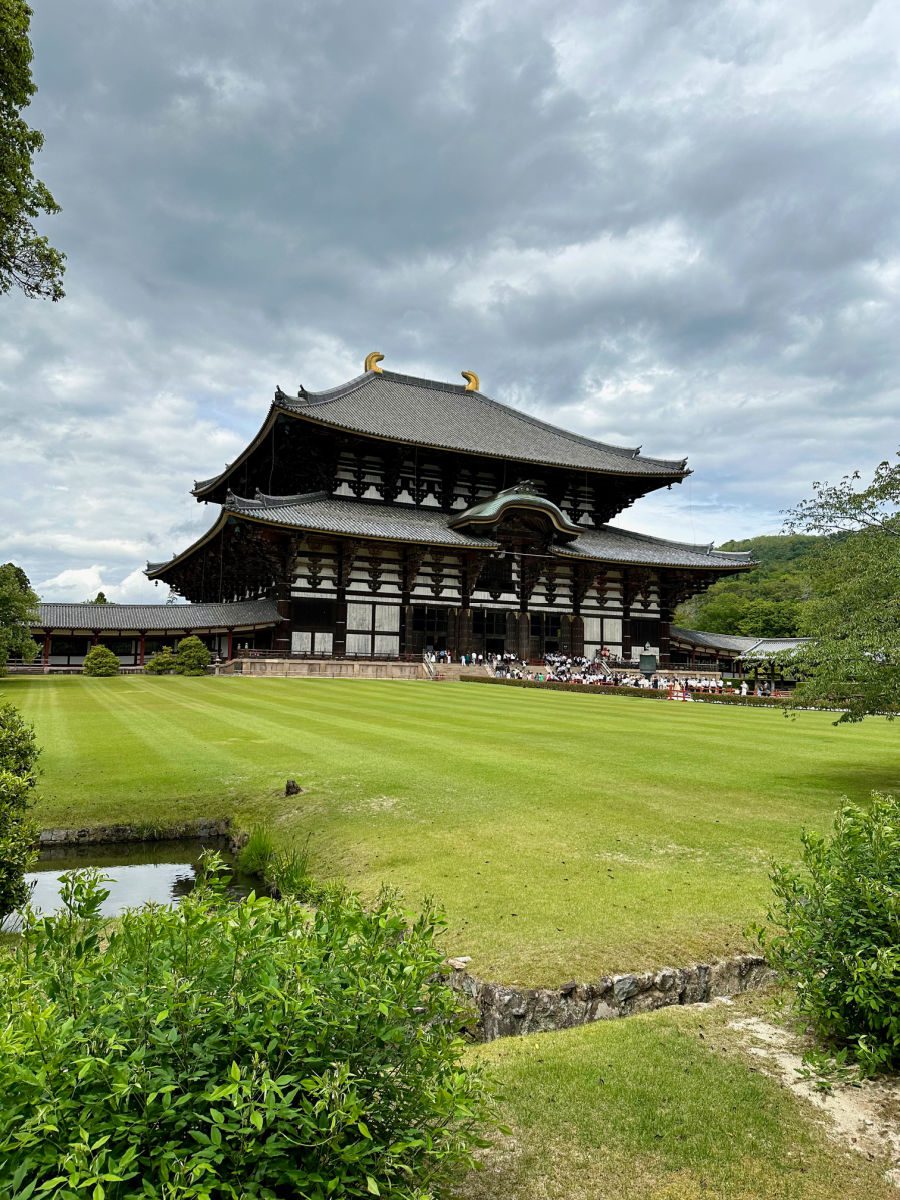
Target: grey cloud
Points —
{"points": [[672, 224]]}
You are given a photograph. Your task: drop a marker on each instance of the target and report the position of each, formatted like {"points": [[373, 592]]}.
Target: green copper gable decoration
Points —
{"points": [[491, 511]]}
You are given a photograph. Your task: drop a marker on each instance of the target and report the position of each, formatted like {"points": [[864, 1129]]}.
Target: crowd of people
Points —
{"points": [[602, 671]]}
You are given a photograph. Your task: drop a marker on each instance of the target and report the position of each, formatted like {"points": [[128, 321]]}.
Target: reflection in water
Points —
{"points": [[139, 872]]}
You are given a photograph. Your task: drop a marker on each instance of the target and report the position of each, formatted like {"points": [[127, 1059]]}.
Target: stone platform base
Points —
{"points": [[326, 668]]}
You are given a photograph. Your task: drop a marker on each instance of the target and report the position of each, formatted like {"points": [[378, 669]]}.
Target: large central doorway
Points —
{"points": [[489, 630]]}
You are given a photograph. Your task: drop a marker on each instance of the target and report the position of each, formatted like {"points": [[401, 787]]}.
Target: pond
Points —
{"points": [[162, 872]]}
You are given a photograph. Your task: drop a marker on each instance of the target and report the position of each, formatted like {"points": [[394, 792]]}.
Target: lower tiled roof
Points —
{"points": [[736, 644], [156, 617], [317, 512]]}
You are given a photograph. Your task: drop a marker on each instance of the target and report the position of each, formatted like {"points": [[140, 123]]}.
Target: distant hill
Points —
{"points": [[765, 602]]}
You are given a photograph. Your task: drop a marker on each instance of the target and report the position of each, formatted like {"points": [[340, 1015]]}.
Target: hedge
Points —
{"points": [[642, 693]]}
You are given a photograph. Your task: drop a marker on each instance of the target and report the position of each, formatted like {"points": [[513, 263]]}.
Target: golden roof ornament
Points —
{"points": [[372, 361], [473, 383]]}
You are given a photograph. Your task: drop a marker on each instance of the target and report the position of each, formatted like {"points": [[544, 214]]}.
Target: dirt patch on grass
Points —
{"points": [[862, 1116]]}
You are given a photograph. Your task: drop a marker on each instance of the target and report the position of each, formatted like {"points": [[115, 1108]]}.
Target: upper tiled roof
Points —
{"points": [[425, 412], [317, 512], [152, 617]]}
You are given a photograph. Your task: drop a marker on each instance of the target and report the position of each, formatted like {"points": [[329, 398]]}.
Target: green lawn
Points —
{"points": [[564, 835], [668, 1106]]}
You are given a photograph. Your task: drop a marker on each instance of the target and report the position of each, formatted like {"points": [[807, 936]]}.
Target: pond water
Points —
{"points": [[161, 872]]}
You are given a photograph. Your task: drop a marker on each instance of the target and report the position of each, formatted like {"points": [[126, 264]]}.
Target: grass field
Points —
{"points": [[669, 1106], [564, 835]]}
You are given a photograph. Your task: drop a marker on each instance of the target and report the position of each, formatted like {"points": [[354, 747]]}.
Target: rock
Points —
{"points": [[624, 987], [566, 989], [459, 964], [292, 788]]}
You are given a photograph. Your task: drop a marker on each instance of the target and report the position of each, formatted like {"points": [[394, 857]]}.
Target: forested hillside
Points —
{"points": [[765, 602]]}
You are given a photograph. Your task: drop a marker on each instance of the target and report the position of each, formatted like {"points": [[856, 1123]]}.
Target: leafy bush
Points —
{"points": [[18, 756], [100, 660], [163, 663], [834, 932], [222, 1050], [192, 657]]}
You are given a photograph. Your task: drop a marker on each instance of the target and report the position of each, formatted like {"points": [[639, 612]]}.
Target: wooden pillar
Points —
{"points": [[576, 637], [45, 656], [626, 615], [464, 631], [523, 646], [339, 645], [141, 647], [229, 653]]}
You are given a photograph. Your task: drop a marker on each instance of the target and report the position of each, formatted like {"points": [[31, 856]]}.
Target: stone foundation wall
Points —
{"points": [[507, 1011], [96, 835], [327, 669]]}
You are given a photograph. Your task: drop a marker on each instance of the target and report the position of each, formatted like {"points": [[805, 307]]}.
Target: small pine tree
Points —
{"points": [[18, 755], [192, 658], [100, 660], [163, 663]]}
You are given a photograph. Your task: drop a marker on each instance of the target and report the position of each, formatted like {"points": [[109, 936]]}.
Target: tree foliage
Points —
{"points": [[192, 657], [853, 614], [18, 609], [834, 933], [18, 758], [221, 1050], [765, 602], [100, 661], [27, 260], [163, 663]]}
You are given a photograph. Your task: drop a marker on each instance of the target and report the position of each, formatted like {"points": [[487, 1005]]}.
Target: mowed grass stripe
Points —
{"points": [[564, 834]]}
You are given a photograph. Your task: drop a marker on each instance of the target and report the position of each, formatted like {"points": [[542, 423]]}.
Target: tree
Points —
{"points": [[100, 598], [27, 260], [853, 614], [764, 602], [101, 661], [192, 657], [18, 755], [18, 611]]}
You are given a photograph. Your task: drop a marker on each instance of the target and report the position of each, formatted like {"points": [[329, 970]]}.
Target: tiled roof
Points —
{"points": [[766, 647], [612, 544], [156, 616], [425, 412], [334, 514], [317, 511], [714, 641], [741, 647]]}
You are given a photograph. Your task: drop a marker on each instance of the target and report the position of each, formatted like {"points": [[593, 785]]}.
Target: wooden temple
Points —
{"points": [[394, 514]]}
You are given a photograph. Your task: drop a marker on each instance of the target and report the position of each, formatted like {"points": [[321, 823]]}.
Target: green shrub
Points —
{"points": [[18, 756], [834, 933], [192, 657], [163, 663], [220, 1050], [100, 660]]}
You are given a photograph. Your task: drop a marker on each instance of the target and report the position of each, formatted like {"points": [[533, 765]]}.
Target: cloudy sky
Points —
{"points": [[666, 223]]}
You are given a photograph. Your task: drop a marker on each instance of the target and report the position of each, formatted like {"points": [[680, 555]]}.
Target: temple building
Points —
{"points": [[393, 514]]}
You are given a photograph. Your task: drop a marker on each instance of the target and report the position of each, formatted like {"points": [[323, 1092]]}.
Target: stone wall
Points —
{"points": [[507, 1011], [97, 835], [331, 669]]}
